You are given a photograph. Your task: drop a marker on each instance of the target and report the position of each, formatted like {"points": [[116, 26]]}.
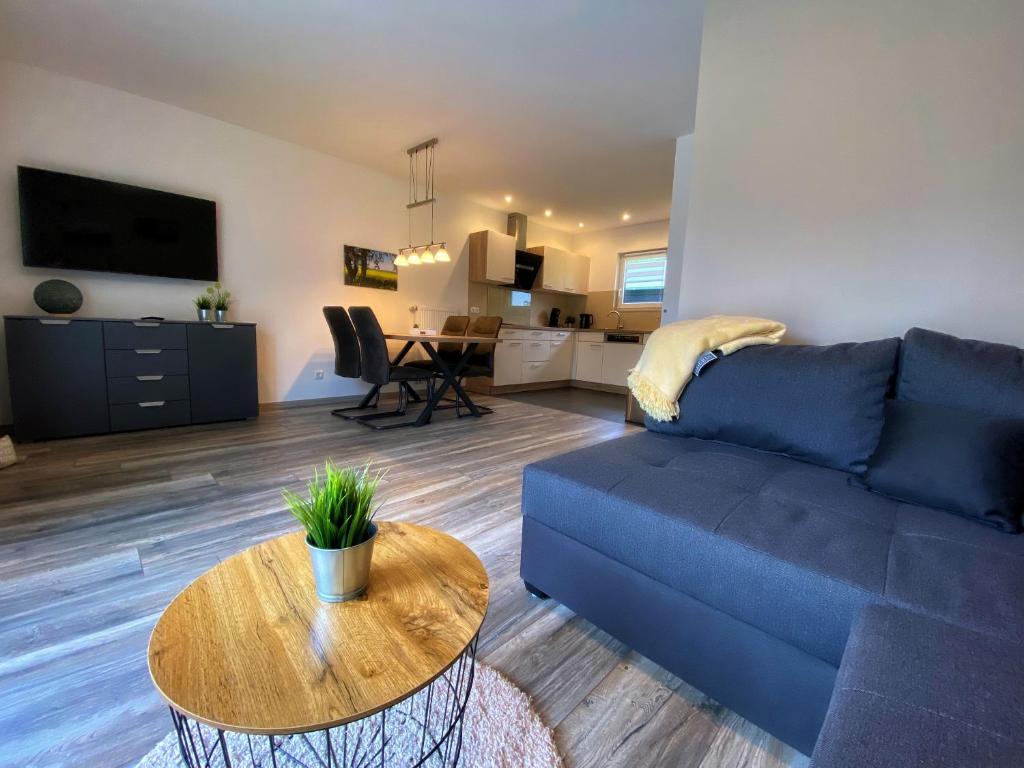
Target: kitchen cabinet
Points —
{"points": [[508, 362], [529, 356], [589, 358], [492, 257], [559, 367], [617, 360], [562, 271]]}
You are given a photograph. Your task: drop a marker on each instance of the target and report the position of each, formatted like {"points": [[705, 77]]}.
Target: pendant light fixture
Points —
{"points": [[432, 252]]}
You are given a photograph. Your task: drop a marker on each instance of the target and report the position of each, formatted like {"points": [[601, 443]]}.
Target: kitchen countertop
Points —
{"points": [[520, 326]]}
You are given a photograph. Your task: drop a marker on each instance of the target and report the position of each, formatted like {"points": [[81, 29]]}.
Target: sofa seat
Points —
{"points": [[790, 548], [919, 692]]}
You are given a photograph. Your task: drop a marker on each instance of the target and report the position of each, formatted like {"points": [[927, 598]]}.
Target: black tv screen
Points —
{"points": [[73, 222]]}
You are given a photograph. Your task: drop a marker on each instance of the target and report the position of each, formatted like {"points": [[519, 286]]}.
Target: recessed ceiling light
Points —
{"points": [[626, 216], [508, 198], [547, 212], [580, 225]]}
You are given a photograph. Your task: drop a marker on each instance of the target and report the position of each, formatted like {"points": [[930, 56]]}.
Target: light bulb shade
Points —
{"points": [[428, 256], [400, 260], [442, 255], [414, 258]]}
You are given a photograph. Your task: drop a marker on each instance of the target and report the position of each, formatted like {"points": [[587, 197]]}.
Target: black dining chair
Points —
{"points": [[346, 356], [481, 362], [376, 367]]}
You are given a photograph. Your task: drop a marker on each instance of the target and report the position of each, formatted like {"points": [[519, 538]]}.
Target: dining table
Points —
{"points": [[449, 373]]}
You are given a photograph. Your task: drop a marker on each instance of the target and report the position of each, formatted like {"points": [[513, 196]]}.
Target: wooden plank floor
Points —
{"points": [[98, 534]]}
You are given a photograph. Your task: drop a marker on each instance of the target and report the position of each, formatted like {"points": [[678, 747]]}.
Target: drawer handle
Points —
{"points": [[150, 378], [141, 324], [152, 404], [53, 321], [222, 325], [148, 351], [595, 346]]}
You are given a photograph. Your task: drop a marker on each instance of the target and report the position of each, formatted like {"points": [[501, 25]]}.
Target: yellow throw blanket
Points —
{"points": [[671, 352]]}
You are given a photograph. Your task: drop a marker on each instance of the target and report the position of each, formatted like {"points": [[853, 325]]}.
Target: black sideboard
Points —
{"points": [[74, 376]]}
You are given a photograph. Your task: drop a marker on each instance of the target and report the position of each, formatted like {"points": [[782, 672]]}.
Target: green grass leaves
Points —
{"points": [[339, 509]]}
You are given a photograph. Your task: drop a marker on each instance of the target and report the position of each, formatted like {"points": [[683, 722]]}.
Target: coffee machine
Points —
{"points": [[554, 317]]}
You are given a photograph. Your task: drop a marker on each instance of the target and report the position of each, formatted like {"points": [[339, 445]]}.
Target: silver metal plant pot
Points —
{"points": [[204, 315], [222, 315], [342, 574]]}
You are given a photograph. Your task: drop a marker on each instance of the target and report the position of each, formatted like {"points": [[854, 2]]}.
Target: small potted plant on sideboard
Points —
{"points": [[204, 307], [338, 518], [221, 301]]}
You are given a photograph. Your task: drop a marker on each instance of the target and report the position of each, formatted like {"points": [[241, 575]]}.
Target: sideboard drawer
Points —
{"points": [[142, 334], [149, 414], [146, 361], [142, 389]]}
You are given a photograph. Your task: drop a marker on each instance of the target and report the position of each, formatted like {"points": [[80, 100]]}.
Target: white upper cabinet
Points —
{"points": [[492, 257], [562, 271]]}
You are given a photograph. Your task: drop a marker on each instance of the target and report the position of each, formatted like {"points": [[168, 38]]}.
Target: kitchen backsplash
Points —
{"points": [[498, 300]]}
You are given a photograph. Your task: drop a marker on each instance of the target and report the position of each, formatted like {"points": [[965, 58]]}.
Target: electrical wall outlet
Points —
{"points": [[474, 310], [318, 374]]}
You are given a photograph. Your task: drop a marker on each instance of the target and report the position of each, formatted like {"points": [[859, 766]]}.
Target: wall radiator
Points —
{"points": [[432, 317]]}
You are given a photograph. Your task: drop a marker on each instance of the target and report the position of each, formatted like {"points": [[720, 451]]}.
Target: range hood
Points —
{"points": [[527, 269], [527, 264]]}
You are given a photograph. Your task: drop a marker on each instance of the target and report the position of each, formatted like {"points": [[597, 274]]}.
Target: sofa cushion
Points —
{"points": [[953, 459], [962, 373], [790, 548], [913, 691], [817, 404]]}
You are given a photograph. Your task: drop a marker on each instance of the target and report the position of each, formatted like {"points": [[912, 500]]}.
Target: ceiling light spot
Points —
{"points": [[626, 216], [580, 225], [547, 212], [508, 198]]}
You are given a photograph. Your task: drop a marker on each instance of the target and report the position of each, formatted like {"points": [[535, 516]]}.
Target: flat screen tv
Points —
{"points": [[74, 222]]}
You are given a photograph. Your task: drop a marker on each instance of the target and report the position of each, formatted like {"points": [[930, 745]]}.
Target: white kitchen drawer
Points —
{"points": [[590, 336], [559, 335], [536, 335], [535, 351], [536, 372], [511, 333]]}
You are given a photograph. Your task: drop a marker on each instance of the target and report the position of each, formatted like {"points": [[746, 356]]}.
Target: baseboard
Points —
{"points": [[598, 387]]}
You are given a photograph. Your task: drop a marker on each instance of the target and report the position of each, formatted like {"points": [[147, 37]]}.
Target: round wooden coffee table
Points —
{"points": [[258, 671]]}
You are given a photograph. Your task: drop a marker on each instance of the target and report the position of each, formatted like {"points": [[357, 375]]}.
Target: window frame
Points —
{"points": [[620, 280]]}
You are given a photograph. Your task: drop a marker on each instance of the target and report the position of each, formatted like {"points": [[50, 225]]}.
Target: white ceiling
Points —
{"points": [[565, 104]]}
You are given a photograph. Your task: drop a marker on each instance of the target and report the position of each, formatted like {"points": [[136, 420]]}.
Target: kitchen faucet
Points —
{"points": [[618, 317]]}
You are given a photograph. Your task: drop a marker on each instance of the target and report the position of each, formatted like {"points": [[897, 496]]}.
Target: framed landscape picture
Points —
{"points": [[367, 268]]}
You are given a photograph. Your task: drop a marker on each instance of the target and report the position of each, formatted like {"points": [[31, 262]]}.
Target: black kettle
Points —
{"points": [[586, 320]]}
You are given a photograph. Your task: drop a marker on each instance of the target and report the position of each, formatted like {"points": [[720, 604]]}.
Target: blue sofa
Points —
{"points": [[737, 548]]}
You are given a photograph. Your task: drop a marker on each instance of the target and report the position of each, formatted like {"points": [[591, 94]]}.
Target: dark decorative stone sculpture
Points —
{"points": [[58, 297]]}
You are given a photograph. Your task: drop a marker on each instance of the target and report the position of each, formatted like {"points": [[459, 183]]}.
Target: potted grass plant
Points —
{"points": [[337, 513], [220, 301], [204, 305]]}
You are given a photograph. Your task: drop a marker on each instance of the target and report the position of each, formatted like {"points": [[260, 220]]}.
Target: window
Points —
{"points": [[519, 298], [642, 278]]}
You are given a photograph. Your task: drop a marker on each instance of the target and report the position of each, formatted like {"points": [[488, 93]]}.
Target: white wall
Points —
{"points": [[284, 214], [681, 178], [604, 246], [859, 167]]}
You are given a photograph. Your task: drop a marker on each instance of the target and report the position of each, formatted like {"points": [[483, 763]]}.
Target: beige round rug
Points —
{"points": [[501, 730]]}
